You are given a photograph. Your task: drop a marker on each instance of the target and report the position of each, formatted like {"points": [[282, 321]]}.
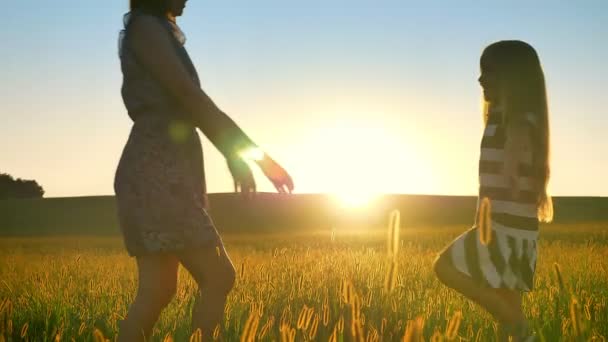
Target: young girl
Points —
{"points": [[494, 262]]}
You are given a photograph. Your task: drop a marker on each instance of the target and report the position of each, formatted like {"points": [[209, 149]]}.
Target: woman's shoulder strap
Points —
{"points": [[129, 18]]}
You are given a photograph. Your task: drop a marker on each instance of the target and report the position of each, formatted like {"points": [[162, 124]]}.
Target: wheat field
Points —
{"points": [[328, 285]]}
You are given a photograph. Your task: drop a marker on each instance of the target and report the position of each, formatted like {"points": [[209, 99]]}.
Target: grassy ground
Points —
{"points": [[302, 283]]}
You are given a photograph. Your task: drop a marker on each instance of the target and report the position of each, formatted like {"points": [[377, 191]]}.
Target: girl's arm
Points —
{"points": [[517, 150]]}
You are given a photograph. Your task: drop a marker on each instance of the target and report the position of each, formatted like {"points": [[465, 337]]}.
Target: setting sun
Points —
{"points": [[355, 199], [358, 160]]}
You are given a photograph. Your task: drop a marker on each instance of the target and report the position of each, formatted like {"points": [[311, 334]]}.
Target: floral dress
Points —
{"points": [[160, 180]]}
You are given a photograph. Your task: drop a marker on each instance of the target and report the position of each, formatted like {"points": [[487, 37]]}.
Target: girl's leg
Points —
{"points": [[496, 302], [514, 300], [157, 285], [519, 328], [215, 275]]}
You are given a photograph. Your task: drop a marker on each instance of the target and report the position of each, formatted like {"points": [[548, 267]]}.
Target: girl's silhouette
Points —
{"points": [[494, 262]]}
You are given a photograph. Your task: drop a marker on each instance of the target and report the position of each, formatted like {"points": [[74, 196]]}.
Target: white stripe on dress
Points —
{"points": [[516, 233], [485, 264], [503, 245], [458, 255], [490, 130], [509, 278], [498, 155], [514, 208], [499, 181], [532, 258], [492, 154], [519, 248]]}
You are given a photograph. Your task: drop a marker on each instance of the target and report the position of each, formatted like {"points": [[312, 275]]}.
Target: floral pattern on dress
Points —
{"points": [[160, 180]]}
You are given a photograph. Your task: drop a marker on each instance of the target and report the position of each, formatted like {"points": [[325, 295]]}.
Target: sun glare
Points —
{"points": [[354, 158], [355, 199], [355, 161]]}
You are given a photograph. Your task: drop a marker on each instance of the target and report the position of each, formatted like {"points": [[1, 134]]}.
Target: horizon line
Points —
{"points": [[328, 194]]}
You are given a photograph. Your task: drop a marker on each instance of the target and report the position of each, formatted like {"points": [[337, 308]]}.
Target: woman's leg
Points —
{"points": [[157, 285], [215, 275]]}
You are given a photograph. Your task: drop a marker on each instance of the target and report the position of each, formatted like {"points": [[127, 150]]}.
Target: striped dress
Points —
{"points": [[508, 258]]}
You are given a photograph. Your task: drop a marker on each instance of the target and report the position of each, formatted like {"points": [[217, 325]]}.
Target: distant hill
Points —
{"points": [[269, 212]]}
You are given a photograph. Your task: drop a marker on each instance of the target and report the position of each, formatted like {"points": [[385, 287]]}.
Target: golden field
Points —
{"points": [[303, 285]]}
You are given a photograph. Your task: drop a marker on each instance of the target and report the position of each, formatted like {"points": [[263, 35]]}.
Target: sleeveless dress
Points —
{"points": [[160, 180], [508, 258]]}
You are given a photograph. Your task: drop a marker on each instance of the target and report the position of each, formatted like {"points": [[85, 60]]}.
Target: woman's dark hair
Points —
{"points": [[153, 7]]}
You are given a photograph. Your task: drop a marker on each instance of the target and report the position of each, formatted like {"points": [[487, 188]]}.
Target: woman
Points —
{"points": [[494, 262], [160, 185]]}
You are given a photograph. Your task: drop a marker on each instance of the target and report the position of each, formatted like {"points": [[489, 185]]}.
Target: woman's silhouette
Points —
{"points": [[159, 184]]}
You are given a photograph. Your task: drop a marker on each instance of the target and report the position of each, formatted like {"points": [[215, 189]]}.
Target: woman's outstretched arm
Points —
{"points": [[152, 45]]}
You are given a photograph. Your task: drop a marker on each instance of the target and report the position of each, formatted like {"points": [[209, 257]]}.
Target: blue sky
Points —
{"points": [[381, 95]]}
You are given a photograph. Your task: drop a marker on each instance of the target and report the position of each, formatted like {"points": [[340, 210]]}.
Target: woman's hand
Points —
{"points": [[276, 174], [242, 176]]}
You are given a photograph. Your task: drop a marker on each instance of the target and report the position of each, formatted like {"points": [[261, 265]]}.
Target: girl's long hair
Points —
{"points": [[521, 75]]}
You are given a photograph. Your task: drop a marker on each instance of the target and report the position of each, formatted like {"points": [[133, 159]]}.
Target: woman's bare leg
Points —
{"points": [[215, 276], [157, 285]]}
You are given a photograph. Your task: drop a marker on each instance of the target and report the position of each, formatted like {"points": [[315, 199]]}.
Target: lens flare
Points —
{"points": [[252, 154]]}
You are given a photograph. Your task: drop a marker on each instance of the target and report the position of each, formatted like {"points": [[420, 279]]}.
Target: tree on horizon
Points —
{"points": [[11, 188]]}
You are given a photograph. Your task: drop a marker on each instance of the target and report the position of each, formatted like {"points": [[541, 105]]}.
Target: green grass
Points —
{"points": [[73, 285]]}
